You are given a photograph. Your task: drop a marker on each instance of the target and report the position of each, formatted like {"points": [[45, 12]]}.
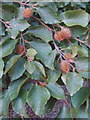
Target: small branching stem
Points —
{"points": [[25, 3], [43, 23], [82, 42], [5, 23]]}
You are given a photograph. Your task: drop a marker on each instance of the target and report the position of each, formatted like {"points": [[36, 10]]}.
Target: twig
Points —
{"points": [[67, 103], [26, 4], [59, 26], [62, 55], [69, 41], [43, 23], [5, 23], [82, 42]]}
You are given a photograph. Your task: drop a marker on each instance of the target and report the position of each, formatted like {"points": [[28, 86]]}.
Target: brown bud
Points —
{"points": [[58, 36], [66, 33], [27, 13], [64, 66], [20, 49], [68, 56]]}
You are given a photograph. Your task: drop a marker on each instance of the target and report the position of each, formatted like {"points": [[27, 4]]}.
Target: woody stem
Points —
{"points": [[5, 23], [25, 3], [43, 23], [82, 42]]}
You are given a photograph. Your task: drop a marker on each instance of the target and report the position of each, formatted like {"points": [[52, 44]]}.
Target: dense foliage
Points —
{"points": [[44, 48]]}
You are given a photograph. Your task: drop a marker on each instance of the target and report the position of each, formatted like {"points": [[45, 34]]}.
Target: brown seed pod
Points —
{"points": [[64, 66], [58, 36], [27, 13], [66, 33], [20, 49], [68, 56]]}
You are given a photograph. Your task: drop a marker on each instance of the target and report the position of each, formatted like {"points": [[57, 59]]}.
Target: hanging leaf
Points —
{"points": [[17, 70], [31, 53], [56, 91], [2, 29], [7, 47], [47, 15], [16, 26], [82, 65], [11, 62], [49, 61], [18, 103], [8, 12], [15, 87], [1, 67], [41, 32], [53, 75], [75, 17], [36, 75], [4, 103], [20, 11], [37, 98], [40, 67], [80, 97], [73, 82], [29, 66], [64, 113], [49, 106], [43, 52]]}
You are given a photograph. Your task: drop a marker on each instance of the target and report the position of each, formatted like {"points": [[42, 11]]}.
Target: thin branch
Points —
{"points": [[26, 4], [59, 26], [43, 23], [5, 23], [82, 42]]}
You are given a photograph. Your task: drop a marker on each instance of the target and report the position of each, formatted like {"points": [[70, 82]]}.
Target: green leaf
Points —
{"points": [[11, 62], [78, 31], [53, 75], [79, 112], [42, 48], [41, 32], [82, 113], [36, 75], [49, 106], [80, 97], [4, 102], [75, 17], [37, 98], [7, 47], [1, 67], [49, 60], [47, 15], [73, 82], [20, 11], [56, 91], [27, 86], [15, 87], [17, 70], [4, 38], [8, 12], [29, 66], [76, 49], [82, 52], [31, 52], [64, 113], [2, 29], [17, 25], [43, 52], [40, 67], [83, 64], [18, 103]]}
